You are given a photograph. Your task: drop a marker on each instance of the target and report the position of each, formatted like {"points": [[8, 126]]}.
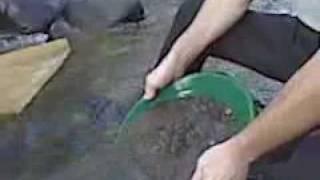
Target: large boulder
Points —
{"points": [[103, 13], [60, 18], [38, 15], [32, 15], [17, 41]]}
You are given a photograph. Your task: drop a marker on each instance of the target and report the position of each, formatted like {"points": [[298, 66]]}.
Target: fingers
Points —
{"points": [[157, 79], [150, 88], [149, 92]]}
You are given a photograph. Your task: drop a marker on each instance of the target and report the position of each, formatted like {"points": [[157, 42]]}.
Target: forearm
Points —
{"points": [[294, 112], [214, 18]]}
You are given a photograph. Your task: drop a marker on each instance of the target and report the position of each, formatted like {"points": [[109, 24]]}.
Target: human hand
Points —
{"points": [[222, 162], [168, 71]]}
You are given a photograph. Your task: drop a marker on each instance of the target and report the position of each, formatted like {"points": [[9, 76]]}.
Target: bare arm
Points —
{"points": [[294, 112], [214, 18]]}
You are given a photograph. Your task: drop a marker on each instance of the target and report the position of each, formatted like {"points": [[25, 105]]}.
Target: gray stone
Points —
{"points": [[32, 15], [60, 18], [10, 43], [38, 15], [61, 28], [273, 6], [102, 14]]}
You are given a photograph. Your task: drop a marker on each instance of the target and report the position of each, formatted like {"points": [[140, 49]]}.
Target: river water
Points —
{"points": [[97, 85], [93, 91]]}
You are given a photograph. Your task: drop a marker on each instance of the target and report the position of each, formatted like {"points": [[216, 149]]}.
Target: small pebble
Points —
{"points": [[228, 112]]}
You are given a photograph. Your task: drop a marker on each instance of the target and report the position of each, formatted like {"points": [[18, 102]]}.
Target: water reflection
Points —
{"points": [[78, 110], [73, 118]]}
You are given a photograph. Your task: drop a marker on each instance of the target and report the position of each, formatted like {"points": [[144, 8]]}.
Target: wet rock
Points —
{"points": [[7, 25], [272, 6], [168, 140], [39, 15], [13, 42], [61, 28], [164, 144], [101, 14], [105, 112], [32, 15], [26, 19], [135, 14]]}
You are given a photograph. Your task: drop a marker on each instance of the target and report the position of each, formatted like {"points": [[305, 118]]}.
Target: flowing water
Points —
{"points": [[98, 84], [163, 144], [62, 134]]}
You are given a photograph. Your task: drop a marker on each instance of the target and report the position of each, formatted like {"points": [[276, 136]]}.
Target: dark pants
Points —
{"points": [[273, 45]]}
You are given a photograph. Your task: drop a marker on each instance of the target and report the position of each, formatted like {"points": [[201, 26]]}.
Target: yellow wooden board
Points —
{"points": [[24, 72]]}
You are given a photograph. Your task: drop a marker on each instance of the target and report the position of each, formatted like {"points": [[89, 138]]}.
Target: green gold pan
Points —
{"points": [[218, 86]]}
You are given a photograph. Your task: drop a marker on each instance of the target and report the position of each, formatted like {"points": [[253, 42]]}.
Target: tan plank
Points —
{"points": [[24, 72]]}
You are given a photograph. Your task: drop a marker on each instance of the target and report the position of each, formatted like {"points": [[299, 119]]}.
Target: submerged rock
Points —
{"points": [[164, 144], [105, 112], [168, 140]]}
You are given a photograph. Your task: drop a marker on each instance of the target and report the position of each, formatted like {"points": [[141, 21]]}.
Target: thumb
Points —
{"points": [[149, 92]]}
